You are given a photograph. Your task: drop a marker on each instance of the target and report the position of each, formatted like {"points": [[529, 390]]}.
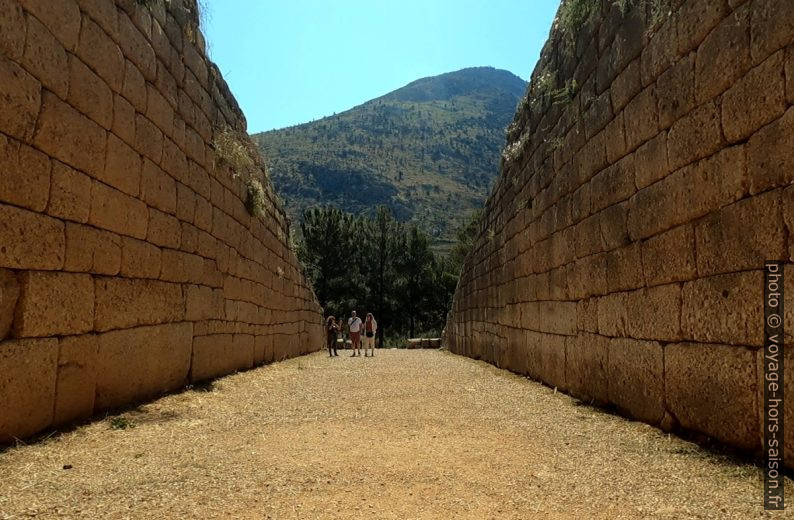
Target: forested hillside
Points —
{"points": [[429, 151]]}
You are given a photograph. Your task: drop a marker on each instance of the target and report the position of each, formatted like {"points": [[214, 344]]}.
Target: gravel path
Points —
{"points": [[404, 435]]}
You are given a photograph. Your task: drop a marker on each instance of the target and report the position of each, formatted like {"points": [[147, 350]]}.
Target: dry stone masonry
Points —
{"points": [[129, 264], [645, 180]]}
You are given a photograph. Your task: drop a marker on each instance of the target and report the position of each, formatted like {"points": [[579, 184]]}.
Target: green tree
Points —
{"points": [[416, 267]]}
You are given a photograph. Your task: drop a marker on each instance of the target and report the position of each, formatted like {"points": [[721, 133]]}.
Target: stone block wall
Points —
{"points": [[129, 264], [646, 178]]}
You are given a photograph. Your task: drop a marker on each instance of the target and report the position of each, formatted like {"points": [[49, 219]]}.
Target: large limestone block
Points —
{"points": [[586, 367], [9, 294], [546, 358], [27, 386], [76, 386], [712, 389], [54, 304], [18, 251], [724, 309], [143, 362], [124, 303], [211, 356], [636, 378]]}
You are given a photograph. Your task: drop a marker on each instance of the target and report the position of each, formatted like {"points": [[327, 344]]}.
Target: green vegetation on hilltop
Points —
{"points": [[428, 151]]}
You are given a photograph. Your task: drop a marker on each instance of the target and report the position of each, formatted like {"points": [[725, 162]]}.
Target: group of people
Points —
{"points": [[355, 327]]}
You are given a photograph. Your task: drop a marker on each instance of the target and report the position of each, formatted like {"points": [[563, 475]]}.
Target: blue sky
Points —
{"points": [[292, 61]]}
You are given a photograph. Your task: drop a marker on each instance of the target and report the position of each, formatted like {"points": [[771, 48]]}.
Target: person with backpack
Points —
{"points": [[354, 327]]}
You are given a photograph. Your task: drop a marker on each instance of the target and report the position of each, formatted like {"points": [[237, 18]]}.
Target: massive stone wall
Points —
{"points": [[645, 181], [129, 263]]}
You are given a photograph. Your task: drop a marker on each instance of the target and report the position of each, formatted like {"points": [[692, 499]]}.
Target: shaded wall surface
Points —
{"points": [[645, 181], [129, 264]]}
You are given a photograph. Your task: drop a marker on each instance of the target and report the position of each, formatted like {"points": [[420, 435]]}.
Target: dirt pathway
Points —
{"points": [[408, 434]]}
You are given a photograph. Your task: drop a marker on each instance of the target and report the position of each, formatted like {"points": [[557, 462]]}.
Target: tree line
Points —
{"points": [[374, 263]]}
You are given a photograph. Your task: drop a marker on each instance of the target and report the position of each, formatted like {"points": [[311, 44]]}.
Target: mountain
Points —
{"points": [[429, 150]]}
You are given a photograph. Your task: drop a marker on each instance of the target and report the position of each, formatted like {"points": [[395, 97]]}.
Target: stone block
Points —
{"points": [[70, 193], [158, 110], [712, 389], [655, 313], [740, 236], [670, 256], [624, 268], [158, 189], [614, 226], [695, 19], [586, 367], [62, 19], [772, 27], [17, 251], [625, 86], [770, 154], [141, 363], [613, 184], [12, 30], [148, 139], [616, 147], [101, 53], [546, 358], [105, 14], [642, 118], [67, 135], [27, 386], [212, 356], [660, 52], [676, 91], [45, 58], [587, 315], [164, 230], [636, 378], [762, 89], [9, 294], [724, 56], [24, 175], [91, 250], [725, 308], [123, 119], [139, 259], [122, 167], [54, 304], [650, 161], [588, 277], [117, 211], [556, 317], [695, 136], [123, 303], [76, 381], [136, 48], [21, 95], [612, 314], [89, 94], [688, 193], [134, 87]]}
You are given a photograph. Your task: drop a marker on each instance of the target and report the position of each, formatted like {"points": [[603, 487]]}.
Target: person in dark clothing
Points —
{"points": [[332, 331]]}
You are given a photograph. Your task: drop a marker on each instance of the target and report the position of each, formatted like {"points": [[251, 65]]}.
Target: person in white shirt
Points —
{"points": [[370, 330], [354, 326]]}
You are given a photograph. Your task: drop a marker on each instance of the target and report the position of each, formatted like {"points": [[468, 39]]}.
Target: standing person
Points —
{"points": [[354, 326], [332, 331], [370, 329]]}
